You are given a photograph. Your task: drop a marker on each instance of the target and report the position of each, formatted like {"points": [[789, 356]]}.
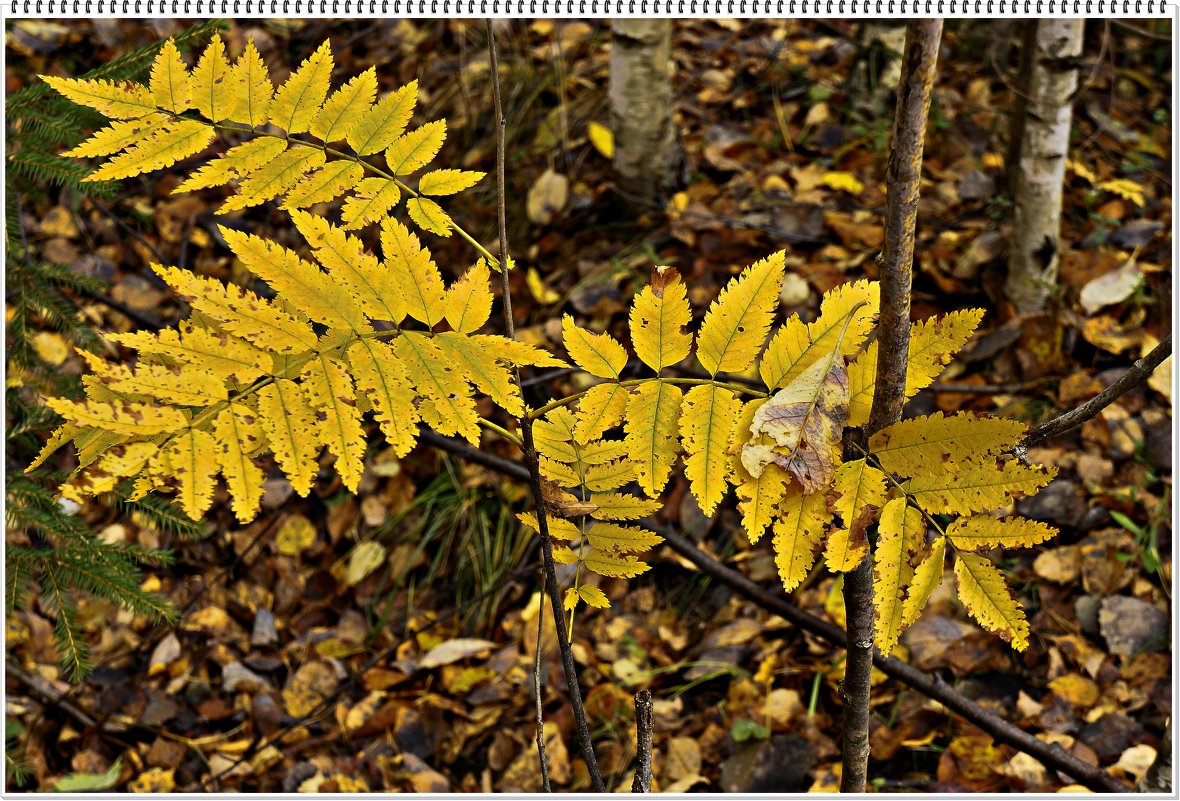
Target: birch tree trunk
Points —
{"points": [[1040, 133], [647, 153], [877, 76]]}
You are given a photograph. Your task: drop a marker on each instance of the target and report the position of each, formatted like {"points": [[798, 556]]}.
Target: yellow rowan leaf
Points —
{"points": [[447, 405], [469, 300], [559, 473], [805, 420], [120, 417], [94, 442], [613, 565], [377, 127], [429, 216], [483, 368], [554, 435], [290, 427], [598, 354], [186, 386], [414, 150], [846, 318], [658, 319], [411, 269], [758, 498], [593, 596], [609, 475], [798, 534], [861, 489], [570, 600], [938, 443], [371, 199], [653, 418], [271, 180], [212, 84], [901, 532], [601, 408], [166, 145], [298, 282], [214, 352], [602, 452], [347, 261], [977, 487], [169, 82], [559, 527], [622, 539], [235, 164], [983, 531], [932, 343], [60, 436], [383, 381], [241, 312], [118, 101], [844, 551], [736, 324], [238, 433], [984, 593], [325, 184], [117, 462], [191, 459], [332, 396], [620, 506], [1126, 189], [342, 110], [249, 78], [927, 577], [448, 182], [708, 417], [117, 136], [298, 100], [513, 351]]}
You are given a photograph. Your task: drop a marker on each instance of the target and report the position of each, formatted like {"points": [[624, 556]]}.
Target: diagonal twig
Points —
{"points": [[1138, 373], [932, 687]]}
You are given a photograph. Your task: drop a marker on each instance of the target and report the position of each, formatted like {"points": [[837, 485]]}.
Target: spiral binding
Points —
{"points": [[586, 8]]}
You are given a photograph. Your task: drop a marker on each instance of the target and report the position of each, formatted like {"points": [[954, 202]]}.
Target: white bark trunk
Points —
{"points": [[873, 83], [646, 149], [1039, 173]]}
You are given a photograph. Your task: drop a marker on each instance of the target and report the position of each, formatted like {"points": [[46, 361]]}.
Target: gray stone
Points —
{"points": [[781, 764], [265, 631], [236, 677], [1131, 626]]}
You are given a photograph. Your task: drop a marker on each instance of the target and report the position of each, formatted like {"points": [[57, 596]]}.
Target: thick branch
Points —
{"points": [[1138, 373], [903, 175], [530, 452], [644, 726], [1004, 732]]}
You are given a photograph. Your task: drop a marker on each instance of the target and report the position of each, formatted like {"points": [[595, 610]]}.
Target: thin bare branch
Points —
{"points": [[531, 461], [1139, 372], [1052, 756]]}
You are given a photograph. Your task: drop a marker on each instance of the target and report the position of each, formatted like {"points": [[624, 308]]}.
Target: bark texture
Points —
{"points": [[647, 151], [903, 175], [1037, 154]]}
